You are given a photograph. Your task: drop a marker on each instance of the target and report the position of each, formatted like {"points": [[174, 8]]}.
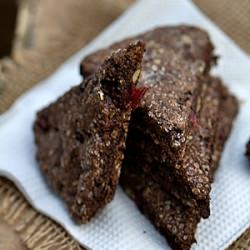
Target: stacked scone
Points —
{"points": [[175, 123]]}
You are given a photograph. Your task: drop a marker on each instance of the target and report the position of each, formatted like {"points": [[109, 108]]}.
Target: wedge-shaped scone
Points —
{"points": [[156, 190], [189, 42], [81, 137], [203, 150]]}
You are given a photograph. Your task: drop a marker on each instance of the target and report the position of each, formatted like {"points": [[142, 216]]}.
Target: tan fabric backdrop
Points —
{"points": [[57, 35]]}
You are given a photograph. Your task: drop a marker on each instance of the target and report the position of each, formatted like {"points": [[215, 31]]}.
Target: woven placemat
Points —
{"points": [[58, 34], [233, 17]]}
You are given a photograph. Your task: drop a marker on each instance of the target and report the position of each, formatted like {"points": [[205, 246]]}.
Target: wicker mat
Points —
{"points": [[57, 35]]}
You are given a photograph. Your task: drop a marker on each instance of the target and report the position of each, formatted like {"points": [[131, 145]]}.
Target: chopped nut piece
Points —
{"points": [[136, 75], [101, 94]]}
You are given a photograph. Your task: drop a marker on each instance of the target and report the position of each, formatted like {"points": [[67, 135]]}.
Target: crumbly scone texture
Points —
{"points": [[81, 137], [198, 160], [177, 220], [140, 148], [176, 57], [198, 164]]}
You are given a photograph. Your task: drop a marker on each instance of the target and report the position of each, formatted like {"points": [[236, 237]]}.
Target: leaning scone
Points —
{"points": [[81, 137]]}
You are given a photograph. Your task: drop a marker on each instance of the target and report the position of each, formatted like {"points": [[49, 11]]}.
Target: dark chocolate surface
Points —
{"points": [[202, 148], [81, 137]]}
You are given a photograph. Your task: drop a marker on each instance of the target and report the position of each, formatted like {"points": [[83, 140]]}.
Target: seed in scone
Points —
{"points": [[101, 95], [136, 75]]}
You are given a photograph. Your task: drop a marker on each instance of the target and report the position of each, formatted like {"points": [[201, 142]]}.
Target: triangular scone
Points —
{"points": [[81, 137], [157, 192], [204, 147]]}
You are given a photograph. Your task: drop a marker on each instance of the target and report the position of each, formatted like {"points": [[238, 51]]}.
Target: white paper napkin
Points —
{"points": [[120, 225]]}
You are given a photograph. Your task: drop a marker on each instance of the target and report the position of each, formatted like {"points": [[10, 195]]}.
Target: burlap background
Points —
{"points": [[61, 28]]}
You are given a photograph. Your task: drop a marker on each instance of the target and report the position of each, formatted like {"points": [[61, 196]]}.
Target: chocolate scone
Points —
{"points": [[175, 219], [248, 149], [176, 222], [200, 151], [81, 137], [189, 42]]}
